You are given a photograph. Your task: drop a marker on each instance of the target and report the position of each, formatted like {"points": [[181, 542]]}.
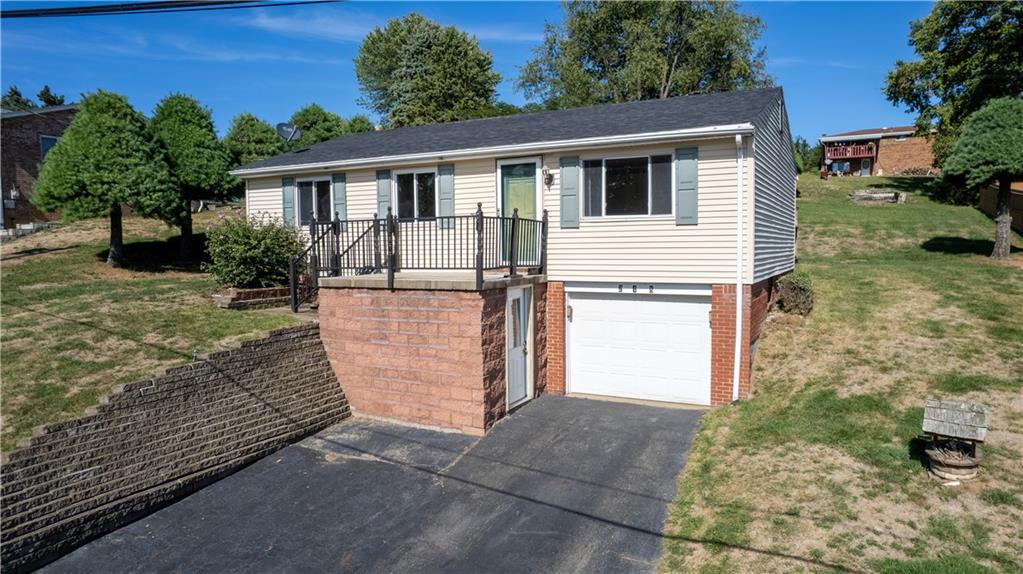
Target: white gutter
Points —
{"points": [[508, 150], [739, 298]]}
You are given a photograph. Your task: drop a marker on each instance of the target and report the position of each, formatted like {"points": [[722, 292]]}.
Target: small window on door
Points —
{"points": [[314, 201]]}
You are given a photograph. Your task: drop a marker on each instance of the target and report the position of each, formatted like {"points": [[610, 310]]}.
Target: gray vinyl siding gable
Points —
{"points": [[774, 210]]}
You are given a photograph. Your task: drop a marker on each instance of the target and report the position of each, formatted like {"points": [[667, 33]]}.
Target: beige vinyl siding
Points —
{"points": [[475, 182], [263, 197], [638, 249], [653, 248], [775, 209]]}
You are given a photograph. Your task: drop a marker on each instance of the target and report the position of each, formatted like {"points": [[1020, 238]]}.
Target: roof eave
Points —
{"points": [[533, 147], [858, 137]]}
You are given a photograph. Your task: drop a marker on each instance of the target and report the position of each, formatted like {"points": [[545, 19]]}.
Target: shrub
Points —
{"points": [[795, 292], [251, 252]]}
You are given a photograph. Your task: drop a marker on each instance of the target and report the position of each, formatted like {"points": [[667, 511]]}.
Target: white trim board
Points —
{"points": [[625, 287], [532, 148]]}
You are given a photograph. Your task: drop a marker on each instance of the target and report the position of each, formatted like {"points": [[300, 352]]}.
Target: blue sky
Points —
{"points": [[830, 57]]}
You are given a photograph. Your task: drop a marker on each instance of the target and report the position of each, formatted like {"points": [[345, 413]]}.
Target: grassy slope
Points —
{"points": [[819, 470], [73, 328]]}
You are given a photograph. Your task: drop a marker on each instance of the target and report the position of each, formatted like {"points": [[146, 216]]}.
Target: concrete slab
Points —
{"points": [[561, 485]]}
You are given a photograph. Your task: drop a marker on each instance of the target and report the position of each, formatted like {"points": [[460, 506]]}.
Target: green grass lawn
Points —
{"points": [[74, 328], [819, 471]]}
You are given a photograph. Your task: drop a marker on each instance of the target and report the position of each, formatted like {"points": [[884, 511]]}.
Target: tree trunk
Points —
{"points": [[1003, 219], [185, 248], [115, 257]]}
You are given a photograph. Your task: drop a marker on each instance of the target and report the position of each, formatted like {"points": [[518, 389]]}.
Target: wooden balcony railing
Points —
{"points": [[850, 151]]}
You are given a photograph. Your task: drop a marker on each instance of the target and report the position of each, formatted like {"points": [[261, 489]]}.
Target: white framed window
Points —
{"points": [[415, 193], [314, 200], [629, 186], [46, 143]]}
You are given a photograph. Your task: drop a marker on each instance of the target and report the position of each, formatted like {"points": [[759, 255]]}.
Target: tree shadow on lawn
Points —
{"points": [[162, 256], [25, 253], [962, 246]]}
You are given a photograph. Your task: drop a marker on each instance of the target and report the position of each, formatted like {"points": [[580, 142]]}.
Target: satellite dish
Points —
{"points": [[288, 131]]}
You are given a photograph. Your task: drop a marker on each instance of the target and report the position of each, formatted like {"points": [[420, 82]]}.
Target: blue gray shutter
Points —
{"points": [[446, 195], [288, 200], [685, 185], [340, 196], [383, 191], [570, 193]]}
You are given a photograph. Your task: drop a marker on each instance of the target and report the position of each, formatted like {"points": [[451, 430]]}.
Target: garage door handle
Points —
{"points": [[569, 313]]}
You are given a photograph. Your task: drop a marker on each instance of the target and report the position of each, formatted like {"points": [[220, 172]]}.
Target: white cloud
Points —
{"points": [[131, 44]]}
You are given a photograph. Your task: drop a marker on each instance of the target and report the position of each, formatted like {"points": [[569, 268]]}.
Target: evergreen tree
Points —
{"points": [[359, 123], [13, 101], [317, 125], [991, 149], [251, 139], [105, 159], [198, 160], [48, 98]]}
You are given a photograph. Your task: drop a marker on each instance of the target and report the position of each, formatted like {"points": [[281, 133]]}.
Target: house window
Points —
{"points": [[314, 201], [417, 195], [45, 144], [627, 186]]}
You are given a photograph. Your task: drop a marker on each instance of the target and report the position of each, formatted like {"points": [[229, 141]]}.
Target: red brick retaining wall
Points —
{"points": [[435, 358]]}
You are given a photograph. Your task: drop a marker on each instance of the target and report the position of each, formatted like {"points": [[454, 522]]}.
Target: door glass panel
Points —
{"points": [[626, 186], [305, 202], [516, 313], [660, 184], [323, 207], [406, 196], [426, 205], [518, 184]]}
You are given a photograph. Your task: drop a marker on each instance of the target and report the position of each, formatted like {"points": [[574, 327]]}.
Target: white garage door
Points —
{"points": [[654, 347]]}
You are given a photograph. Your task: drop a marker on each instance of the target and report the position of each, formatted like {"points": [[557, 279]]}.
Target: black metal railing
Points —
{"points": [[390, 244]]}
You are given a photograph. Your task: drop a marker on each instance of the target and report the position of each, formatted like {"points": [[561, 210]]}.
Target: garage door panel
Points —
{"points": [[648, 347]]}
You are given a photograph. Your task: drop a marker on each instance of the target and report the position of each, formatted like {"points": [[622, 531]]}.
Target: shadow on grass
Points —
{"points": [[162, 256], [961, 246], [916, 447], [35, 251]]}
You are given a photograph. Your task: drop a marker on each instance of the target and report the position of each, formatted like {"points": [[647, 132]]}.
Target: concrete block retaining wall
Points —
{"points": [[151, 442]]}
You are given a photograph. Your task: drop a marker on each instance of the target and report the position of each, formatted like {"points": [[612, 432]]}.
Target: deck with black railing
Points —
{"points": [[441, 250]]}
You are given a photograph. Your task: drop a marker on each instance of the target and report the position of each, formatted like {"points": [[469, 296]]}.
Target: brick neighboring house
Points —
{"points": [[26, 137], [878, 151], [627, 250]]}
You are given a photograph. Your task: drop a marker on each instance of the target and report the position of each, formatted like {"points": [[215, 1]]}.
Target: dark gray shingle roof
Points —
{"points": [[677, 113]]}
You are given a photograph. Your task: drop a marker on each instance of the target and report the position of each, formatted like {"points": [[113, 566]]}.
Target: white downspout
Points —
{"points": [[739, 180]]}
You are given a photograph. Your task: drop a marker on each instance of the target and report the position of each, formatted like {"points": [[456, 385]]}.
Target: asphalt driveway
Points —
{"points": [[561, 485]]}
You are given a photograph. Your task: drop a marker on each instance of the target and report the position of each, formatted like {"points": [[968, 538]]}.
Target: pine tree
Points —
{"points": [[990, 148], [13, 101], [317, 125], [48, 98], [251, 139], [105, 159]]}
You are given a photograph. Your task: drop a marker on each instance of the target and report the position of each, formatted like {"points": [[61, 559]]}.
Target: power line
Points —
{"points": [[159, 7]]}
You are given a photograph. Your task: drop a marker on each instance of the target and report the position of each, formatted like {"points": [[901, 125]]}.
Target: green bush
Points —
{"points": [[251, 252], [795, 292]]}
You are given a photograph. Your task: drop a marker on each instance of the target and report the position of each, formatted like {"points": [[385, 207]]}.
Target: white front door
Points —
{"points": [[654, 347], [518, 314]]}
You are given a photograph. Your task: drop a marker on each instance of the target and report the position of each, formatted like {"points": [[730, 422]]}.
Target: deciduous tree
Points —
{"points": [[359, 123], [198, 160], [970, 52], [991, 149], [623, 51], [415, 71], [317, 125], [107, 158], [251, 139]]}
